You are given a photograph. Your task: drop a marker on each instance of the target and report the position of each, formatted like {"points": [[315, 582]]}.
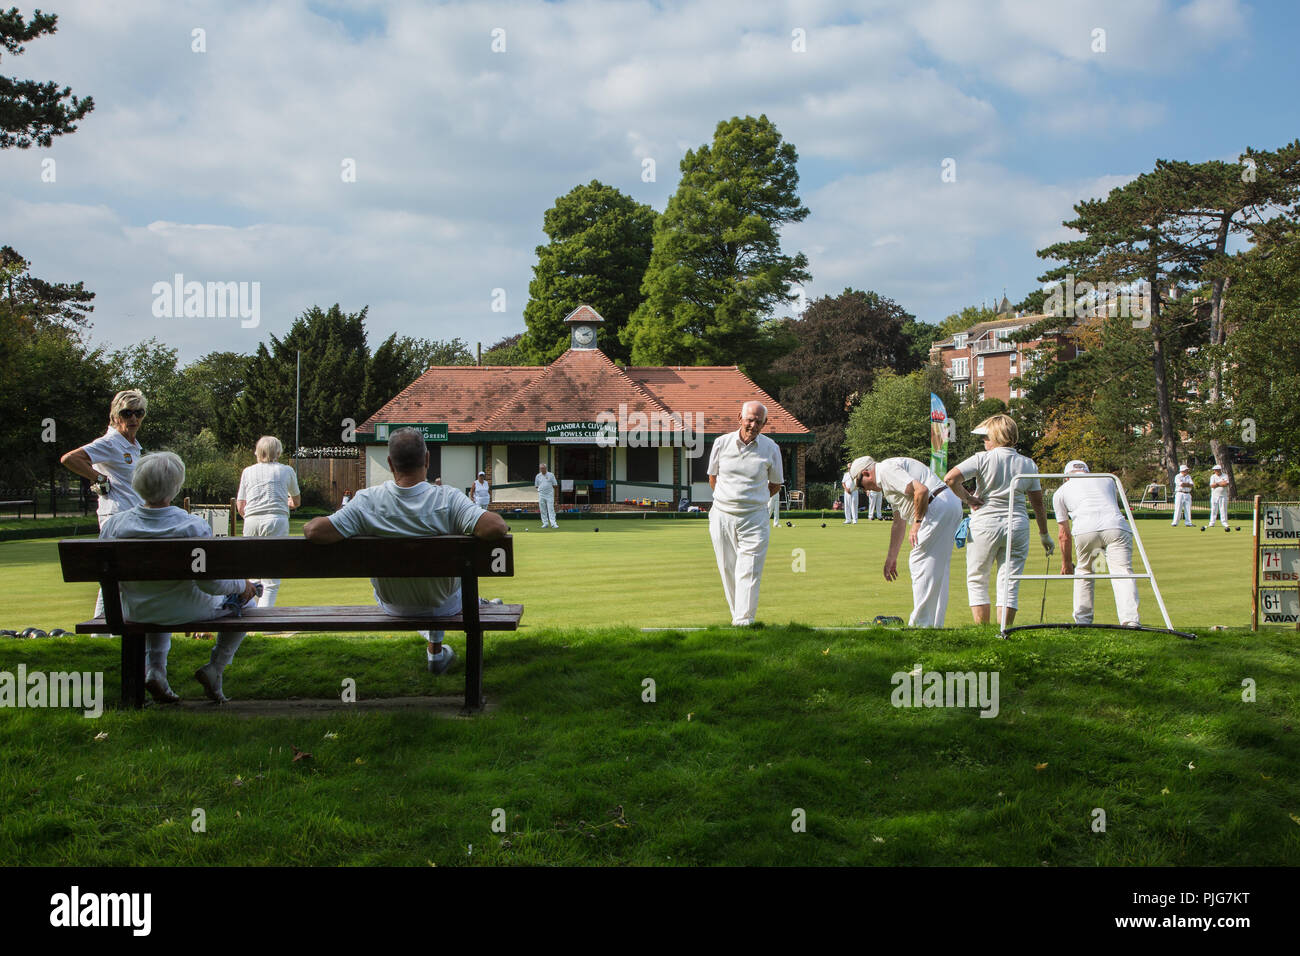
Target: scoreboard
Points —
{"points": [[1277, 564]]}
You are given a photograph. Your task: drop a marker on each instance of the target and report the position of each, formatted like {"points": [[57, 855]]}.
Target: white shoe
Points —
{"points": [[210, 678]]}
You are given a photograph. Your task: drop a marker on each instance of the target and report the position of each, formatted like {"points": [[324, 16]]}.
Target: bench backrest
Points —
{"points": [[178, 559]]}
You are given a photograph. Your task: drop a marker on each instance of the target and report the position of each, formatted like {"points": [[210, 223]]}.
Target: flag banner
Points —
{"points": [[938, 436]]}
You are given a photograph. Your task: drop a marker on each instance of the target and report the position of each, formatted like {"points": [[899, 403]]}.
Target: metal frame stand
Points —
{"points": [[1149, 575]]}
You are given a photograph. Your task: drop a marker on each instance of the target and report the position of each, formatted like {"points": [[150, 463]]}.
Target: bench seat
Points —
{"points": [[492, 617]]}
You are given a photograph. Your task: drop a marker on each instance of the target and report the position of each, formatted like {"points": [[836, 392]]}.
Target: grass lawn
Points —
{"points": [[747, 728], [662, 573]]}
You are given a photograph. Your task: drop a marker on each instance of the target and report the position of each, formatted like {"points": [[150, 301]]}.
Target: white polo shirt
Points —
{"points": [[1183, 484], [1089, 504], [114, 456], [895, 474], [390, 511], [546, 484], [1218, 490], [267, 487], [993, 472], [166, 602], [743, 473]]}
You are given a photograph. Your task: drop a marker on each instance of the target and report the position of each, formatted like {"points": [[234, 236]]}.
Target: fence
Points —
{"points": [[330, 476]]}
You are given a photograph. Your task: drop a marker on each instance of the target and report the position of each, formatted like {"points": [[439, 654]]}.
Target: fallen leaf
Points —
{"points": [[825, 652], [330, 735], [1190, 765], [1164, 791], [1294, 818], [239, 781], [102, 735], [80, 777], [299, 754], [689, 716], [876, 839], [359, 761], [1262, 777], [1040, 766]]}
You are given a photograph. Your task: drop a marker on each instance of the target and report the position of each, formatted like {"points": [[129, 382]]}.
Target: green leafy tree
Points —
{"points": [[1262, 376], [400, 360], [334, 361], [1214, 202], [717, 269], [38, 302], [842, 341], [33, 113], [508, 351], [1127, 238], [600, 242], [893, 418], [212, 386], [967, 317]]}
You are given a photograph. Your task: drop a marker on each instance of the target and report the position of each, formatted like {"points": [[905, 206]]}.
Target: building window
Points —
{"points": [[1013, 361], [435, 459], [959, 340], [981, 391], [700, 466], [961, 388], [960, 367], [643, 464], [979, 365], [522, 462]]}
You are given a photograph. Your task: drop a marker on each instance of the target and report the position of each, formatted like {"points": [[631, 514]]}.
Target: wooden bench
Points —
{"points": [[18, 506], [174, 559]]}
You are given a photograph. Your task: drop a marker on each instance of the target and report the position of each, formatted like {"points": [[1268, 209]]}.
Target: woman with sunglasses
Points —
{"points": [[109, 461]]}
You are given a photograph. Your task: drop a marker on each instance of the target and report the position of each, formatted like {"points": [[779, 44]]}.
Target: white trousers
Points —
{"points": [[1182, 503], [1219, 506], [874, 501], [986, 545], [267, 526], [1118, 545], [740, 545], [450, 606], [546, 507], [851, 507], [931, 559]]}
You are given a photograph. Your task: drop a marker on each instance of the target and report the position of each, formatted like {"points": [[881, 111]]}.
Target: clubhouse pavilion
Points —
{"points": [[610, 435]]}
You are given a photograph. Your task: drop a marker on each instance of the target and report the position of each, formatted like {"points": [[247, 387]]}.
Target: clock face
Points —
{"points": [[584, 335]]}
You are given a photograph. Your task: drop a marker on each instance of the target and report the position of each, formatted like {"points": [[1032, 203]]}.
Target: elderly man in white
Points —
{"points": [[1089, 518], [850, 500], [546, 487], [267, 492], [744, 472], [928, 514], [408, 506], [1183, 485], [1218, 497], [158, 479]]}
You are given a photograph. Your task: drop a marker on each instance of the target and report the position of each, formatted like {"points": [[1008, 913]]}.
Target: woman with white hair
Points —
{"points": [[995, 470], [109, 461], [267, 492], [158, 479]]}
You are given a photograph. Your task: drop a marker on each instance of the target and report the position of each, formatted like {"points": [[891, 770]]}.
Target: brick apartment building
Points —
{"points": [[984, 360]]}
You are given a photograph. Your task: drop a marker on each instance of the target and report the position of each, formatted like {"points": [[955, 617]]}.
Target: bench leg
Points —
{"points": [[474, 699], [133, 670]]}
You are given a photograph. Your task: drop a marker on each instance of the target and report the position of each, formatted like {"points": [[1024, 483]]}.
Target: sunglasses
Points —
{"points": [[133, 413]]}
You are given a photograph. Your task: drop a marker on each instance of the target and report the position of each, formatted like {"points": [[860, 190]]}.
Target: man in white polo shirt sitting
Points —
{"points": [[409, 506], [1088, 516], [744, 472]]}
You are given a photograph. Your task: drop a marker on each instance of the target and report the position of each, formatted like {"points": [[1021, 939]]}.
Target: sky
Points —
{"points": [[401, 155]]}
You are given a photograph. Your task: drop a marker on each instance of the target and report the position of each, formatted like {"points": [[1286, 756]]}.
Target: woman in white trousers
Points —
{"points": [[267, 492], [994, 471]]}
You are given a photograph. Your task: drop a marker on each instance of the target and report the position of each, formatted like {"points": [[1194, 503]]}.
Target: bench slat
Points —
{"points": [[170, 559], [492, 617]]}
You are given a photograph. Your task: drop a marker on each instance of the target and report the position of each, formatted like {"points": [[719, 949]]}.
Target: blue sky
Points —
{"points": [[224, 165]]}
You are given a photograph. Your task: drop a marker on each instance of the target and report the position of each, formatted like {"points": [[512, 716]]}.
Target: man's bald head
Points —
{"points": [[754, 408]]}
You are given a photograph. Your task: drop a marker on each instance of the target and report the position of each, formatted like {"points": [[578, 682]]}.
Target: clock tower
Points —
{"points": [[583, 323]]}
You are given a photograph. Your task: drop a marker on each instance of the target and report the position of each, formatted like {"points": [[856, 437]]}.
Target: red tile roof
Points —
{"points": [[577, 386]]}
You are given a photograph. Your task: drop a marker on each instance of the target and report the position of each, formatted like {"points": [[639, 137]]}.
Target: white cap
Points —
{"points": [[1217, 468], [483, 473], [858, 467], [1184, 468], [979, 431], [1076, 467]]}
